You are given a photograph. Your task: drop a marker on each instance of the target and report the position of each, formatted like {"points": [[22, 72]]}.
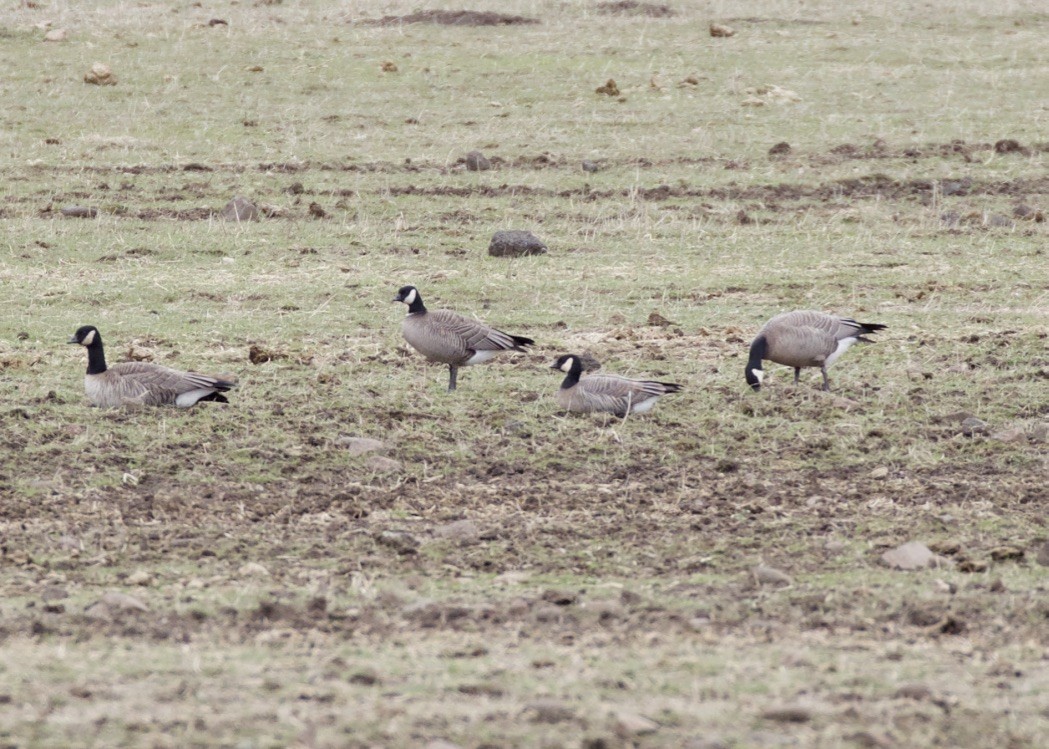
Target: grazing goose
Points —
{"points": [[452, 339], [142, 383], [606, 393], [805, 339]]}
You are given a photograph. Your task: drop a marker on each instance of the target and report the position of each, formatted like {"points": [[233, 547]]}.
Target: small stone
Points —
{"points": [[788, 714], [241, 209], [719, 30], [590, 166], [515, 243], [360, 445], [973, 426], [100, 74], [477, 162], [765, 575], [114, 602], [880, 472], [910, 556], [79, 211], [56, 35], [629, 724], [382, 464], [139, 577], [253, 569]]}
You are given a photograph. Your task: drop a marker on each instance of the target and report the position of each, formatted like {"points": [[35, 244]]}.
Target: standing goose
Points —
{"points": [[606, 393], [805, 339], [452, 339], [142, 383]]}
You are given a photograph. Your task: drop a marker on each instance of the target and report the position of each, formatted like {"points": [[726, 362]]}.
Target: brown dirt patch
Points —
{"points": [[454, 18], [633, 8]]}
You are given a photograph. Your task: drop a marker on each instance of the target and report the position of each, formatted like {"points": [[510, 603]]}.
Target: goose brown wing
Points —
{"points": [[474, 335], [616, 394], [153, 384]]}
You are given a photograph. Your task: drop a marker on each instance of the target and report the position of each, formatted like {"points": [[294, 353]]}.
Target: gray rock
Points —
{"points": [[590, 166], [241, 209], [360, 445], [910, 556], [477, 162], [515, 243], [973, 426], [765, 575], [79, 211]]}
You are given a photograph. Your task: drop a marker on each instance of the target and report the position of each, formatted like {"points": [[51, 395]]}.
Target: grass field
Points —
{"points": [[500, 574]]}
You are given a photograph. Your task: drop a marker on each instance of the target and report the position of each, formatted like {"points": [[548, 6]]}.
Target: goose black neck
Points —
{"points": [[573, 375], [417, 305], [96, 358], [758, 351]]}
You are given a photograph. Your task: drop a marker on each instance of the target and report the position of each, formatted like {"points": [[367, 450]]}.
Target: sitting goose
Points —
{"points": [[805, 339], [142, 383], [452, 339], [606, 393]]}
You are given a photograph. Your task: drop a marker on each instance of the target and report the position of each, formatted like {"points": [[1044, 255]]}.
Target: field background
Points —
{"points": [[499, 574]]}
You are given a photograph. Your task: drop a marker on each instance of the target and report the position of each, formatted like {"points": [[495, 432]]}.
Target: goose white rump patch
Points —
{"points": [[481, 356], [843, 346]]}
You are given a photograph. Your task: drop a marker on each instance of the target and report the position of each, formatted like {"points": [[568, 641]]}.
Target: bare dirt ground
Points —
{"points": [[499, 574]]}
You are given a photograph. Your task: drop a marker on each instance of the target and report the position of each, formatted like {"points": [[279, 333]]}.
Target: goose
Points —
{"points": [[142, 383], [805, 339], [446, 337], [606, 392]]}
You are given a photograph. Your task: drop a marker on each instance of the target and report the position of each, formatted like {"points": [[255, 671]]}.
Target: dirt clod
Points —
{"points": [[780, 149], [317, 211], [788, 714], [608, 89], [634, 8], [910, 556], [100, 74], [241, 209], [477, 162], [515, 243]]}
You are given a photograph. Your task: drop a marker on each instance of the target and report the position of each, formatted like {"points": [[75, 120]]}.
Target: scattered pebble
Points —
{"points": [[912, 555], [79, 211], [515, 243], [360, 445], [629, 724], [100, 74], [720, 31], [590, 166], [241, 209], [973, 426], [253, 569], [139, 577], [56, 35], [880, 472], [765, 575]]}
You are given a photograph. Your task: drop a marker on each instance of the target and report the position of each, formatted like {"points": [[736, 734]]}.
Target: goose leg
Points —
{"points": [[826, 379], [453, 374], [797, 374]]}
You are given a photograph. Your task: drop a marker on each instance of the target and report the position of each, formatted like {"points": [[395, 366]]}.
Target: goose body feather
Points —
{"points": [[607, 393]]}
